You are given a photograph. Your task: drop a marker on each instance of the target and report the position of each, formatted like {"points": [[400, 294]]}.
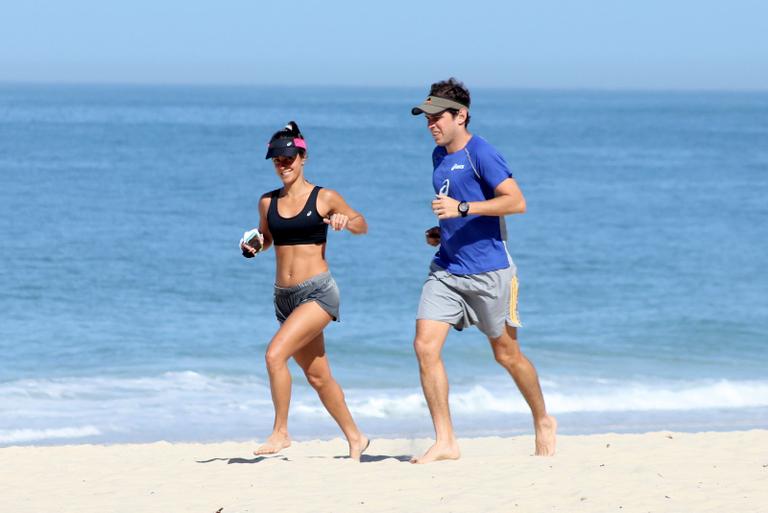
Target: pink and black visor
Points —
{"points": [[285, 147]]}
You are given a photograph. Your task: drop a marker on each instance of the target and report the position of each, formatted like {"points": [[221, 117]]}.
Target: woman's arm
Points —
{"points": [[250, 251], [263, 224], [340, 215]]}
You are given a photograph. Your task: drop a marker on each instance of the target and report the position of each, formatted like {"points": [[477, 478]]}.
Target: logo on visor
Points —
{"points": [[288, 143]]}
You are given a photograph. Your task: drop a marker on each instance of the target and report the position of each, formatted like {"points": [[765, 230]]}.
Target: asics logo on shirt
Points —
{"points": [[309, 213], [457, 166]]}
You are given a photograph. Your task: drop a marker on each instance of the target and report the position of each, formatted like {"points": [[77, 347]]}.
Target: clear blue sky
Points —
{"points": [[670, 44]]}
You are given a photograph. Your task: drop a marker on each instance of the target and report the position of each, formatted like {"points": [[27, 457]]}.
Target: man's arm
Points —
{"points": [[508, 200]]}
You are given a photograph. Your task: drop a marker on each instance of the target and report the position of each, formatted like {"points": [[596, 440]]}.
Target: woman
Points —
{"points": [[296, 218]]}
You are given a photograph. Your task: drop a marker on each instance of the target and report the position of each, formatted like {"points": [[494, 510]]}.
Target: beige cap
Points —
{"points": [[435, 104]]}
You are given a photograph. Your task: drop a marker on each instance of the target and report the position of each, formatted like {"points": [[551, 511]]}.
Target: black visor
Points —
{"points": [[283, 147]]}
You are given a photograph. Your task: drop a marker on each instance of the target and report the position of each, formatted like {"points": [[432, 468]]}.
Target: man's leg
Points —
{"points": [[428, 343], [508, 354]]}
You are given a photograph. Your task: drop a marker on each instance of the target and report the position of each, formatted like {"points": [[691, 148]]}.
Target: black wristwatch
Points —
{"points": [[463, 208]]}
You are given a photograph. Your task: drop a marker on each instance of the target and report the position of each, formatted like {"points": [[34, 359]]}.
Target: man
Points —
{"points": [[472, 279]]}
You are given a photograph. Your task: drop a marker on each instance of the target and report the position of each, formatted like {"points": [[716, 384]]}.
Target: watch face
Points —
{"points": [[463, 206]]}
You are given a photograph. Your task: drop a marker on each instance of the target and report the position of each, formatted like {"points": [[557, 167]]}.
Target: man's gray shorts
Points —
{"points": [[486, 300], [320, 288]]}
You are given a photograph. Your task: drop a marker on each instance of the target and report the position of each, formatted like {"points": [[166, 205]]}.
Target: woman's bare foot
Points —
{"points": [[358, 447], [546, 431], [439, 451], [277, 441]]}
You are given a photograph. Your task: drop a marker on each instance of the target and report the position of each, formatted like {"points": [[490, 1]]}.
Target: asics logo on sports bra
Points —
{"points": [[309, 213], [457, 166]]}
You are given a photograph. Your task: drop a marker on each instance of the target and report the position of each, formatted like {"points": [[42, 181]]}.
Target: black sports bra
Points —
{"points": [[306, 227]]}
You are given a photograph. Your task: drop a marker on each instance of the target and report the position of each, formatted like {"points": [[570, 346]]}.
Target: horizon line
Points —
{"points": [[203, 85]]}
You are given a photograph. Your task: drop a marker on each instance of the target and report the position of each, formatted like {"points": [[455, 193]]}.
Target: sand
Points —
{"points": [[653, 472]]}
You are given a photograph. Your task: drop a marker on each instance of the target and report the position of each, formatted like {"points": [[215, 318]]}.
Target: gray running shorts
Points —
{"points": [[320, 288], [486, 300]]}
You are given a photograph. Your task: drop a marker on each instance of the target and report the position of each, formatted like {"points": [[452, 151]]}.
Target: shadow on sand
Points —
{"points": [[365, 458], [372, 458], [257, 459]]}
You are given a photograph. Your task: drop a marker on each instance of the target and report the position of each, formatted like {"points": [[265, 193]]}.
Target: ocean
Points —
{"points": [[127, 313]]}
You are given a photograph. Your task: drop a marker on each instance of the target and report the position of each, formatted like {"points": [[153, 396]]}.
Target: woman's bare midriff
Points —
{"points": [[296, 264]]}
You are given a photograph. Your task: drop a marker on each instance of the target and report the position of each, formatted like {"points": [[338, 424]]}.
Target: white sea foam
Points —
{"points": [[245, 392], [604, 397], [105, 387], [192, 405], [683, 396], [35, 435]]}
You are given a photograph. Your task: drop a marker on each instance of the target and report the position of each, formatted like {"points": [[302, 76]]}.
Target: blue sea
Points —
{"points": [[127, 313]]}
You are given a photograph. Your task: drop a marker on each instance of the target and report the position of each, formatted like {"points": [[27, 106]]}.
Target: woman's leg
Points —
{"points": [[314, 362], [303, 325]]}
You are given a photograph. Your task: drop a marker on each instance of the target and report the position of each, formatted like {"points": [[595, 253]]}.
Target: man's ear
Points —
{"points": [[462, 116]]}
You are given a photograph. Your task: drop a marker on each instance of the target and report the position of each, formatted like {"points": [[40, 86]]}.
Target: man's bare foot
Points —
{"points": [[275, 443], [438, 452], [546, 431], [357, 448]]}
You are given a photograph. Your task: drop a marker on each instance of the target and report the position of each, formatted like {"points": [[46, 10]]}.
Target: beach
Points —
{"points": [[617, 181], [650, 472]]}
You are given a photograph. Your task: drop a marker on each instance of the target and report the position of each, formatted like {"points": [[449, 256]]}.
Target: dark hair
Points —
{"points": [[290, 131], [452, 89]]}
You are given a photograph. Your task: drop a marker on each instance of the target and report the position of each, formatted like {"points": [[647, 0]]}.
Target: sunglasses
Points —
{"points": [[434, 118], [283, 161]]}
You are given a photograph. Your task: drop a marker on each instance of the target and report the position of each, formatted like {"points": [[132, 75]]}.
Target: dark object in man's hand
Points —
{"points": [[433, 236]]}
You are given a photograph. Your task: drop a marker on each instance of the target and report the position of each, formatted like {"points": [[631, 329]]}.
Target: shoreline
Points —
{"points": [[655, 471], [333, 434], [306, 429]]}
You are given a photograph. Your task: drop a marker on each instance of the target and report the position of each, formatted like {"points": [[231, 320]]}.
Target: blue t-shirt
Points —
{"points": [[472, 244]]}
